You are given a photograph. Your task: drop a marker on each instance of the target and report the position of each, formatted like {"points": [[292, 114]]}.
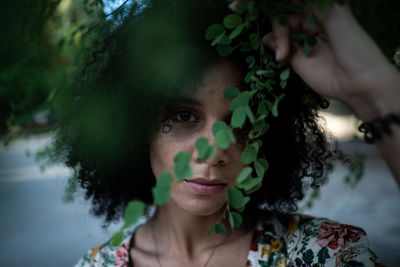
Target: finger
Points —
{"points": [[310, 25], [324, 15], [282, 39], [304, 22], [232, 6], [270, 41]]}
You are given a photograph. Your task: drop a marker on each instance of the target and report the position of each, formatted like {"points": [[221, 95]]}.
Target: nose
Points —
{"points": [[218, 157]]}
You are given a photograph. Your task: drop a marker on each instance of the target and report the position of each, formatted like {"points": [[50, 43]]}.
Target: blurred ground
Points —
{"points": [[374, 204], [38, 229]]}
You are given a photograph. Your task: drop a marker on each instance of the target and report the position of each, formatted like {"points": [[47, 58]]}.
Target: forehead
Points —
{"points": [[216, 79]]}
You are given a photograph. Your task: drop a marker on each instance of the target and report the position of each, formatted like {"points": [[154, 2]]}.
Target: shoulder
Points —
{"points": [[108, 255], [299, 240]]}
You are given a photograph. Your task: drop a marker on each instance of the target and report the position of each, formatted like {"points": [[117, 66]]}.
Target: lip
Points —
{"points": [[205, 186]]}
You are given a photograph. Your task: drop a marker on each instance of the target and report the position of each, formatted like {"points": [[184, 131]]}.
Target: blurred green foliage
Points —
{"points": [[45, 42], [40, 43]]}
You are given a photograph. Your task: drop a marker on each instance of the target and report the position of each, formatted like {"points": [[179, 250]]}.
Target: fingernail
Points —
{"points": [[277, 54], [233, 5]]}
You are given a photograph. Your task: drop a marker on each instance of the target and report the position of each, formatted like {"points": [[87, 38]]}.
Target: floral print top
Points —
{"points": [[285, 240]]}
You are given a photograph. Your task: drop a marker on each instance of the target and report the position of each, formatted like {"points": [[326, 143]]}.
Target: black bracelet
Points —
{"points": [[374, 129]]}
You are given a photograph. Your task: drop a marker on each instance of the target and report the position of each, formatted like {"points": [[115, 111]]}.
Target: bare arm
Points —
{"points": [[346, 65]]}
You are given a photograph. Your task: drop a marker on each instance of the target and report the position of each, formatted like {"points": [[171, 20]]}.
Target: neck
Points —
{"points": [[179, 231]]}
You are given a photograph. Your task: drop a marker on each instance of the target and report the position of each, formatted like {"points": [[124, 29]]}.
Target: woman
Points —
{"points": [[339, 66]]}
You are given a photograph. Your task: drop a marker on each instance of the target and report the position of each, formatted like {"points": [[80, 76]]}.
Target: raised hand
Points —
{"points": [[345, 64]]}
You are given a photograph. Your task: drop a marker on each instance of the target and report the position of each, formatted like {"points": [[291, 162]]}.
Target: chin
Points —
{"points": [[204, 211], [199, 205]]}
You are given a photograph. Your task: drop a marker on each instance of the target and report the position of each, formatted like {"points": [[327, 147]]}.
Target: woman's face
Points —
{"points": [[204, 193]]}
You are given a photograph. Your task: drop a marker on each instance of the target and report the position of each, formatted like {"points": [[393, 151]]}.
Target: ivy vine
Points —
{"points": [[267, 80]]}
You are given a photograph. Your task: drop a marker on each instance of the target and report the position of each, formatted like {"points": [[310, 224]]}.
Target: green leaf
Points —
{"points": [[235, 198], [222, 138], [224, 50], [274, 109], [182, 167], [249, 75], [117, 238], [250, 60], [241, 7], [133, 211], [162, 189], [252, 185], [285, 74], [244, 47], [260, 128], [203, 148], [231, 92], [254, 40], [218, 39], [257, 144], [212, 229], [232, 138], [310, 20], [269, 83], [182, 156], [262, 108], [213, 147], [261, 165], [266, 73], [243, 99], [235, 219], [249, 155], [236, 31], [213, 31], [261, 118], [306, 49], [243, 175], [250, 114], [233, 20], [220, 228], [238, 117], [225, 40], [283, 84], [233, 105], [218, 126]]}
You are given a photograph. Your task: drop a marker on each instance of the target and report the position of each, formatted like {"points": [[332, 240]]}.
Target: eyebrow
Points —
{"points": [[186, 100]]}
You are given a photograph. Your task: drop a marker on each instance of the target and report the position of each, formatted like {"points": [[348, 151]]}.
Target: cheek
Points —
{"points": [[158, 160], [162, 152], [236, 164]]}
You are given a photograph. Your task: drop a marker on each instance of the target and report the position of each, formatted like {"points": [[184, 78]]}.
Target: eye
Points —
{"points": [[185, 116]]}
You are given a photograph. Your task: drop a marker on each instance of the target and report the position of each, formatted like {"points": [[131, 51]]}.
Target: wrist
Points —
{"points": [[375, 129], [380, 101]]}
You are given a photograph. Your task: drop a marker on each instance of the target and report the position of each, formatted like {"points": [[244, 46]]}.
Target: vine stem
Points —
{"points": [[259, 34], [107, 15]]}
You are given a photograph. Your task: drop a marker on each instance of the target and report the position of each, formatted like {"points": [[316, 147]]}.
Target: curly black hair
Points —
{"points": [[110, 113]]}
